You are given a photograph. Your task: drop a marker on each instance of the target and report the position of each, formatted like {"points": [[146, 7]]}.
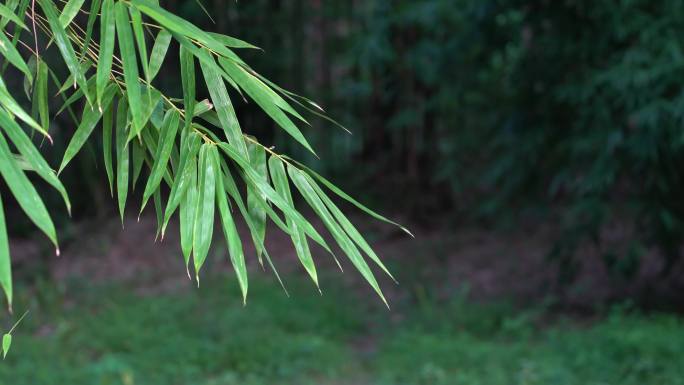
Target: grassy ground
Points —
{"points": [[79, 333]]}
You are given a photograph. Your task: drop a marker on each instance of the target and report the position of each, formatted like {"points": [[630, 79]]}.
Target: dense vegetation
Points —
{"points": [[128, 339], [502, 111]]}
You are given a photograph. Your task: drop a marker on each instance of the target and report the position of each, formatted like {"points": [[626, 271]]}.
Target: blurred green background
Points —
{"points": [[533, 146]]}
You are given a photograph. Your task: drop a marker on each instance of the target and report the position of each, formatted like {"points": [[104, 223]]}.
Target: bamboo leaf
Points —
{"points": [[31, 154], [8, 14], [9, 52], [122, 157], [7, 101], [5, 261], [159, 50], [6, 344], [187, 213], [273, 196], [235, 250], [282, 186], [25, 193], [257, 160], [257, 91], [139, 34], [340, 236], [189, 150], [348, 198], [107, 41], [107, 124], [65, 47], [41, 95], [162, 155], [94, 13], [348, 227], [204, 214], [138, 155], [130, 67], [70, 11], [224, 108], [91, 116], [187, 64]]}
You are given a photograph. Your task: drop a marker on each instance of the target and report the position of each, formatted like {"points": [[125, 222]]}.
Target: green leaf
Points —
{"points": [[189, 150], [65, 47], [163, 153], [107, 42], [204, 214], [6, 343], [348, 198], [12, 106], [91, 116], [188, 205], [265, 99], [270, 194], [31, 154], [338, 234], [230, 232], [9, 52], [257, 160], [107, 124], [5, 261], [231, 42], [138, 155], [70, 11], [8, 14], [161, 46], [183, 27], [282, 186], [224, 108], [93, 15], [136, 22], [25, 193], [130, 67], [348, 227], [122, 157], [187, 64], [41, 95]]}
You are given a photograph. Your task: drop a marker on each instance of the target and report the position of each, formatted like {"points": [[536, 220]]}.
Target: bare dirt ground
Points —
{"points": [[490, 264]]}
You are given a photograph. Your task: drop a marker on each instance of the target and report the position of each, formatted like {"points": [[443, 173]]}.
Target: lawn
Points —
{"points": [[82, 333]]}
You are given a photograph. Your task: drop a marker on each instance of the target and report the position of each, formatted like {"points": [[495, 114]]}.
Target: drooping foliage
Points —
{"points": [[104, 71]]}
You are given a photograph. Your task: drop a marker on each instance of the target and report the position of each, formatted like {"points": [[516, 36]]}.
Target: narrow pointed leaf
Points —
{"points": [[107, 124], [107, 41], [41, 95], [161, 46], [91, 116], [65, 47], [70, 11], [122, 157], [187, 213], [31, 154], [340, 236], [5, 261], [25, 193], [235, 250], [130, 66], [187, 64], [224, 108], [163, 153], [282, 186], [257, 160], [6, 344], [8, 14], [9, 52], [139, 34], [257, 91], [204, 215]]}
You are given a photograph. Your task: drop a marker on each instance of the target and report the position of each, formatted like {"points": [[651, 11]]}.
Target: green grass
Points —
{"points": [[108, 335]]}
